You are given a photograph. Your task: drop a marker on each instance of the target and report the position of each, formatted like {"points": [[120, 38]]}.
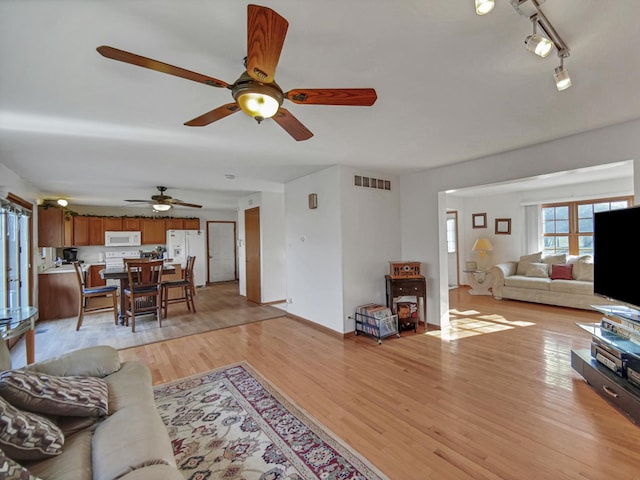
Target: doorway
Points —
{"points": [[252, 254], [221, 244], [452, 249]]}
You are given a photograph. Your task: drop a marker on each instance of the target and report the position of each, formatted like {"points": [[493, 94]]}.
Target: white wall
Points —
{"points": [[314, 249], [338, 254], [423, 201]]}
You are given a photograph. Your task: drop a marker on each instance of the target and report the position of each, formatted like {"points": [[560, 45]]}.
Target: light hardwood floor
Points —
{"points": [[494, 398]]}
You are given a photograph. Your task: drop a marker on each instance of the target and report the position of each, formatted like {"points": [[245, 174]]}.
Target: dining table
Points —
{"points": [[16, 321], [121, 274]]}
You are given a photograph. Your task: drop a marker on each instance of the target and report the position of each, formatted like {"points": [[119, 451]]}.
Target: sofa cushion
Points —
{"points": [[561, 271], [525, 260], [556, 258], [574, 259], [98, 361], [521, 281], [74, 463], [538, 270], [53, 395], [572, 286], [585, 271], [133, 437], [12, 470], [27, 436], [131, 385]]}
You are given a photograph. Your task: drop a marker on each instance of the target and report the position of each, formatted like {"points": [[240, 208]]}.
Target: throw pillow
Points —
{"points": [[557, 258], [52, 395], [585, 271], [575, 259], [12, 470], [27, 436], [538, 270], [561, 271], [525, 260]]}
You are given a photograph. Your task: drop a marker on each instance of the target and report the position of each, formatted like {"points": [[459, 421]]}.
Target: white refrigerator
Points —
{"points": [[184, 243]]}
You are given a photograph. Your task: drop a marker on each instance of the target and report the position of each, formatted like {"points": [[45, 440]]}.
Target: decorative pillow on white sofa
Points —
{"points": [[575, 259], [52, 395], [27, 436], [585, 271], [12, 470], [557, 258], [538, 270], [525, 260]]}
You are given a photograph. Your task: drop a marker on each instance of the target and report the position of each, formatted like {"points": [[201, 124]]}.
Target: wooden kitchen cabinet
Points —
{"points": [[113, 224], [54, 229], [192, 224], [58, 295], [88, 231], [131, 224], [93, 278], [153, 231], [174, 224]]}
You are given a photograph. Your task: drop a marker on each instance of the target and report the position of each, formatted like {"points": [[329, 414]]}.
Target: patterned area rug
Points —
{"points": [[230, 423]]}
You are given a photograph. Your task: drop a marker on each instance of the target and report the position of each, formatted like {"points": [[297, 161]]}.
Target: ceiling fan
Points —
{"points": [[163, 203], [255, 92]]}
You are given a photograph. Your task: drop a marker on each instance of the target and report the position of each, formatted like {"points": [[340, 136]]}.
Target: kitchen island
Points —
{"points": [[58, 292]]}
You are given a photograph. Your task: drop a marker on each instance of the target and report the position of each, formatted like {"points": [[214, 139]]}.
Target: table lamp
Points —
{"points": [[482, 246]]}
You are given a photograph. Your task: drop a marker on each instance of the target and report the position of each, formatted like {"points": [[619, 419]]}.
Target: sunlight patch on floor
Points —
{"points": [[470, 323]]}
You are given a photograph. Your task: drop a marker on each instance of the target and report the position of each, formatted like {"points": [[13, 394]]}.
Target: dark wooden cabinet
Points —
{"points": [[54, 229], [192, 224], [174, 224], [408, 287], [58, 295], [94, 279]]}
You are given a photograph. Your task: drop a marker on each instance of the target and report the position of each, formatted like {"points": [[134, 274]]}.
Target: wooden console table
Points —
{"points": [[409, 287]]}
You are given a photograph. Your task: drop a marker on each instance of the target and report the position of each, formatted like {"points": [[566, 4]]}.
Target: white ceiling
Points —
{"points": [[451, 85]]}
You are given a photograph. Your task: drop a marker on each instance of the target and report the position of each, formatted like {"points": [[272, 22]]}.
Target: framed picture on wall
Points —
{"points": [[503, 226], [479, 220]]}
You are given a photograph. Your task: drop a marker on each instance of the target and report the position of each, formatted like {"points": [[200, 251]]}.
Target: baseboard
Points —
{"points": [[321, 328]]}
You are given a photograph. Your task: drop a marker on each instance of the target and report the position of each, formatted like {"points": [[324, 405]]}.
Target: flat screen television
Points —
{"points": [[616, 255]]}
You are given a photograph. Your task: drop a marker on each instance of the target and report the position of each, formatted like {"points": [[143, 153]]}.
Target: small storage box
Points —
{"points": [[404, 269]]}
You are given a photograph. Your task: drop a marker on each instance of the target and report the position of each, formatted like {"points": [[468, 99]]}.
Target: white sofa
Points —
{"points": [[563, 280]]}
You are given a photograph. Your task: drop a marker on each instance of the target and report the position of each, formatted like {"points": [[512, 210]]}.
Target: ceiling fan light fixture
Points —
{"points": [[62, 202], [484, 6], [161, 207], [256, 99]]}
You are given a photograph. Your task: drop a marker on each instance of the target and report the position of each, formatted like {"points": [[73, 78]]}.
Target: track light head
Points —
{"points": [[563, 80], [541, 46], [484, 6]]}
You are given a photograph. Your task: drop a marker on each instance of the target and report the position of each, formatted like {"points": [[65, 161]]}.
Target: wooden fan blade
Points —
{"points": [[266, 31], [162, 67], [292, 125], [364, 97], [214, 115], [184, 204], [139, 201]]}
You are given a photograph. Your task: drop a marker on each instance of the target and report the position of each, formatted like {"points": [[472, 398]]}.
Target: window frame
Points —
{"points": [[574, 234]]}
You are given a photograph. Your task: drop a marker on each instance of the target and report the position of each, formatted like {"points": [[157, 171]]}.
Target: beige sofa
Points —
{"points": [[564, 280], [129, 442]]}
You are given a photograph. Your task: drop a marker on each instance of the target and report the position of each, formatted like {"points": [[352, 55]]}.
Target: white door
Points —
{"points": [[222, 251]]}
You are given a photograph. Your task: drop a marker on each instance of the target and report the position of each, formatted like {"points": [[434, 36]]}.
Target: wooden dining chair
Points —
{"points": [[87, 293], [185, 285], [143, 294]]}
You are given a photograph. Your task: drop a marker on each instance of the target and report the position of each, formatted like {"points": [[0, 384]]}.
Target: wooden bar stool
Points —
{"points": [[94, 292], [186, 286], [143, 294]]}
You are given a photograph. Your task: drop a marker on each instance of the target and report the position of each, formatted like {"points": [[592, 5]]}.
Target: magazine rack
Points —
{"points": [[376, 321]]}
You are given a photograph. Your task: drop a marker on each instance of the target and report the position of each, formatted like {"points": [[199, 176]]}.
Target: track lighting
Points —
{"points": [[541, 45], [484, 6], [537, 44], [563, 80]]}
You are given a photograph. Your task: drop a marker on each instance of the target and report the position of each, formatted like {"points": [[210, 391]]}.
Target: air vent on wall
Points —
{"points": [[370, 182]]}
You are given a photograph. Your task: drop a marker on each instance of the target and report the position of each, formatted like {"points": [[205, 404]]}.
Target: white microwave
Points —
{"points": [[122, 239]]}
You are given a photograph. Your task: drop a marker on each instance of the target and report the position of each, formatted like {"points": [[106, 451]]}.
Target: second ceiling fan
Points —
{"points": [[255, 92]]}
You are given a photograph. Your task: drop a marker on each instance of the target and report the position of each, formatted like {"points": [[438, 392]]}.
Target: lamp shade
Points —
{"points": [[482, 245], [162, 207]]}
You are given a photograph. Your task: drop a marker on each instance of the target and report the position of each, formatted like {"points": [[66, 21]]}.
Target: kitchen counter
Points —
{"points": [[66, 268]]}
